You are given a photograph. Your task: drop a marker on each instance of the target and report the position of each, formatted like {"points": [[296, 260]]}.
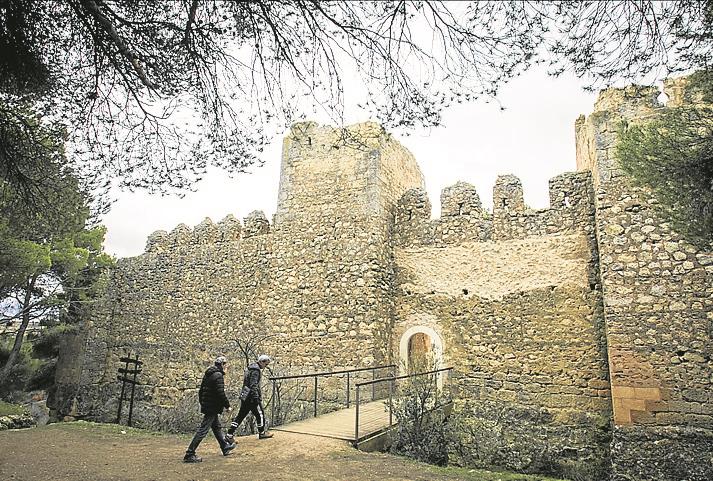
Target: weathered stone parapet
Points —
{"points": [[181, 235], [206, 232], [230, 228], [256, 224], [157, 242], [629, 102], [460, 199], [464, 220]]}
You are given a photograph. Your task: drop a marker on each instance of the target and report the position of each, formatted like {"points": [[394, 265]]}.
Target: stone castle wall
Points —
{"points": [[313, 289], [579, 334], [515, 301], [658, 306]]}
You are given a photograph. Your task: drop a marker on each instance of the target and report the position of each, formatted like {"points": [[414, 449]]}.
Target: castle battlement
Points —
{"points": [[464, 219], [207, 232]]}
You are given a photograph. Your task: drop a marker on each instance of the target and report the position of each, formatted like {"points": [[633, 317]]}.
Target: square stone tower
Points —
{"points": [[658, 305], [332, 242]]}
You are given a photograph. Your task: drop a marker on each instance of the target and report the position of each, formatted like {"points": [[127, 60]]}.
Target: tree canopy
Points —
{"points": [[126, 79], [50, 262], [673, 156]]}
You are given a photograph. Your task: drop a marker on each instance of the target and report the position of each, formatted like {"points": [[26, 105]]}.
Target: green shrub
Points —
{"points": [[673, 157], [43, 377], [8, 409], [423, 428], [47, 345]]}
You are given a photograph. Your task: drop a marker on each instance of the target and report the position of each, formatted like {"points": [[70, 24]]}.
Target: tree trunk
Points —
{"points": [[26, 303]]}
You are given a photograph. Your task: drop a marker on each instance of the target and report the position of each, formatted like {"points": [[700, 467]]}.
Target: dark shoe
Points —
{"points": [[192, 458], [228, 448], [264, 435]]}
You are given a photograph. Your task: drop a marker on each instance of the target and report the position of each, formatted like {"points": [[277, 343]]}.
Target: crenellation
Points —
{"points": [[255, 224], [412, 223], [181, 235], [230, 228], [206, 232], [464, 220], [460, 199], [157, 242], [572, 202], [508, 196]]}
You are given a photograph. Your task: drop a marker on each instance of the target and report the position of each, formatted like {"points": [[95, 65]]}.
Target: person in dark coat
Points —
{"points": [[251, 399], [212, 399]]}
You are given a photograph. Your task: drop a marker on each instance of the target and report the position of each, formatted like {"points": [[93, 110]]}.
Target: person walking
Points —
{"points": [[251, 399], [212, 399]]}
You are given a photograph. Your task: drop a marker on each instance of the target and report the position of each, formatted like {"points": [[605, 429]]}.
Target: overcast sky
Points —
{"points": [[533, 138]]}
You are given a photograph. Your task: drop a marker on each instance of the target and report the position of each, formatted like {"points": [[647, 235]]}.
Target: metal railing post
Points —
{"points": [[373, 386], [391, 408], [315, 396], [356, 423], [272, 407], [348, 389]]}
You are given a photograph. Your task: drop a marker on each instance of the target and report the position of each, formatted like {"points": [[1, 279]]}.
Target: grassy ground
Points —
{"points": [[80, 450], [7, 409]]}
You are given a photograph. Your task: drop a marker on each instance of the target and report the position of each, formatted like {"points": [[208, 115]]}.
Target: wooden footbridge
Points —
{"points": [[363, 421]]}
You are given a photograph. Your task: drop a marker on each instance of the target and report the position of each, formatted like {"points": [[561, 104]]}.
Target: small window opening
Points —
{"points": [[662, 98], [567, 203], [460, 208], [465, 292], [505, 202]]}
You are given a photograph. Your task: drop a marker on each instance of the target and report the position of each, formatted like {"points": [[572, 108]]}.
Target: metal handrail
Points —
{"points": [[391, 380], [331, 373], [316, 376], [396, 378]]}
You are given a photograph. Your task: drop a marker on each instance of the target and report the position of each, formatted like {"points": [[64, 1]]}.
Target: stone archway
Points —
{"points": [[419, 341]]}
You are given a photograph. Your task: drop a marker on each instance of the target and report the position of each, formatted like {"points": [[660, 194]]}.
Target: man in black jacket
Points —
{"points": [[251, 399], [212, 399]]}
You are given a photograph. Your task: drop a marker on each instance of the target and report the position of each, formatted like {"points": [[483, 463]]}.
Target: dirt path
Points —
{"points": [[78, 451]]}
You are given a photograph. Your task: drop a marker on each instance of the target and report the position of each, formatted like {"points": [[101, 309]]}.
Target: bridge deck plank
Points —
{"points": [[373, 417]]}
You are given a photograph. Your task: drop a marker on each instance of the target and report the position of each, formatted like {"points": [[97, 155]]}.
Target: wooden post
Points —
{"points": [[348, 389], [121, 397], [133, 388]]}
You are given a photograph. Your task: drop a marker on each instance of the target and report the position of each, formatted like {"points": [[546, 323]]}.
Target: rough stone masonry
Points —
{"points": [[580, 334]]}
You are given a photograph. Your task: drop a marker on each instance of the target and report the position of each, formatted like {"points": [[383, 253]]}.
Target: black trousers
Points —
{"points": [[210, 421], [245, 408]]}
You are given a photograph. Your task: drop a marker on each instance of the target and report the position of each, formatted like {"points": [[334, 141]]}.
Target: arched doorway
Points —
{"points": [[420, 341], [420, 347]]}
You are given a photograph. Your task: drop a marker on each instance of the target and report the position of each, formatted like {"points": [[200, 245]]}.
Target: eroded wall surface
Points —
{"points": [[658, 305], [313, 289], [516, 302]]}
